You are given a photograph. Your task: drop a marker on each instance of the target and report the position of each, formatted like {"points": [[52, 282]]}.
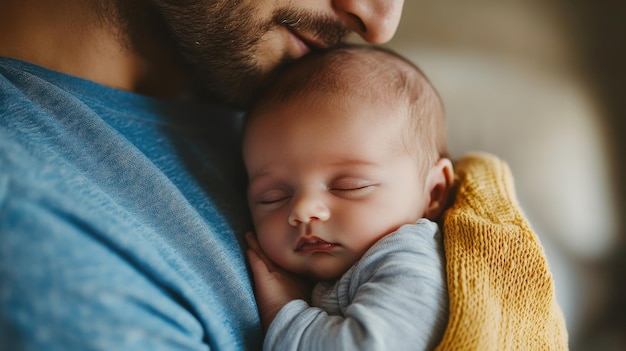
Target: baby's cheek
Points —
{"points": [[371, 228], [274, 244]]}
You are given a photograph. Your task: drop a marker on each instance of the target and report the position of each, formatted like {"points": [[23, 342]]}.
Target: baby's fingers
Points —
{"points": [[254, 247], [253, 243], [259, 268]]}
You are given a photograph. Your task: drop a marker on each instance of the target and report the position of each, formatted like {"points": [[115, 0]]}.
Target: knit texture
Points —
{"points": [[501, 289]]}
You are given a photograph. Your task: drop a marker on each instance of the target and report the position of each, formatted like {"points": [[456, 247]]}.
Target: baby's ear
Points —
{"points": [[438, 184]]}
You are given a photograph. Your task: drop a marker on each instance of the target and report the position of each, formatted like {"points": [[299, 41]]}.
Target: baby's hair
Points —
{"points": [[372, 72]]}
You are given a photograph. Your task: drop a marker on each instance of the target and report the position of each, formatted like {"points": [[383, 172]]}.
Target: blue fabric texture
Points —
{"points": [[394, 298], [121, 220]]}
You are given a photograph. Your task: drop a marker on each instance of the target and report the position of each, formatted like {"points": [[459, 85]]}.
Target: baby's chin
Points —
{"points": [[323, 276]]}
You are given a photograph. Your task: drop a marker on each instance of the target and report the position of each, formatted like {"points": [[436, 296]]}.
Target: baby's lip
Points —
{"points": [[314, 244]]}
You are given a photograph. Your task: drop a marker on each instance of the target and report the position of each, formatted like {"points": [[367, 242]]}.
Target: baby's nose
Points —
{"points": [[307, 208]]}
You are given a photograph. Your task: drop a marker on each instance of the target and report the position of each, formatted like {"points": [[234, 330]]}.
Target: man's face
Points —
{"points": [[235, 45]]}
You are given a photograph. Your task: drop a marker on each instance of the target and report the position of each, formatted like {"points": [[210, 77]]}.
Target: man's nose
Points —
{"points": [[375, 21], [306, 208]]}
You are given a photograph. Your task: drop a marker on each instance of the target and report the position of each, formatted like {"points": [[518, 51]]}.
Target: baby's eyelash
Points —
{"points": [[353, 192], [271, 196], [272, 201], [351, 188]]}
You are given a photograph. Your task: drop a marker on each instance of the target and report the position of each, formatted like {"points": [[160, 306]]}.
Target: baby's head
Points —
{"points": [[358, 75], [345, 147]]}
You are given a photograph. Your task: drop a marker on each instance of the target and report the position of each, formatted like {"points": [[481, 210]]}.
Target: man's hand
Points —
{"points": [[274, 286]]}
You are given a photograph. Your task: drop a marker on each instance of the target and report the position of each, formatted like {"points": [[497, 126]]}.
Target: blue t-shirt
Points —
{"points": [[121, 218]]}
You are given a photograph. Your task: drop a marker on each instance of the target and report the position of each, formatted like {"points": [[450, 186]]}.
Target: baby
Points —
{"points": [[346, 158]]}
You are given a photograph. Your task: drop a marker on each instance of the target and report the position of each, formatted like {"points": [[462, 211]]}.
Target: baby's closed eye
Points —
{"points": [[352, 188], [272, 197]]}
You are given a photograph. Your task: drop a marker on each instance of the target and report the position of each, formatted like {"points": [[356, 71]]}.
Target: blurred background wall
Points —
{"points": [[540, 83]]}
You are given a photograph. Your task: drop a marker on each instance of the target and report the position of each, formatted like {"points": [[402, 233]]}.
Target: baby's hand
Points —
{"points": [[275, 287]]}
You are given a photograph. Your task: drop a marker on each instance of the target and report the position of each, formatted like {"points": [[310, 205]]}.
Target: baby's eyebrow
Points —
{"points": [[255, 178]]}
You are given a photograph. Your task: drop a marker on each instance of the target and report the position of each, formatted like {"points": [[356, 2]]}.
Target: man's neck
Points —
{"points": [[70, 37]]}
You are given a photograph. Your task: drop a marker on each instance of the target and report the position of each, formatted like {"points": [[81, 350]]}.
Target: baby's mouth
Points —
{"points": [[314, 244]]}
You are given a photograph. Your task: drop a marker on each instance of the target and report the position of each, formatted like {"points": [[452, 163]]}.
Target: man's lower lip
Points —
{"points": [[301, 46]]}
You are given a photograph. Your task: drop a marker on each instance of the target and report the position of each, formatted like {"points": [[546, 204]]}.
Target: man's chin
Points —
{"points": [[236, 83]]}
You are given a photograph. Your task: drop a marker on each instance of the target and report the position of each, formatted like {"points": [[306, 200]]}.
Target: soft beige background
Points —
{"points": [[513, 77]]}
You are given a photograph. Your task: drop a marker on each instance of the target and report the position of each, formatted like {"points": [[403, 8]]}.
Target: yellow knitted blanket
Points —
{"points": [[501, 289]]}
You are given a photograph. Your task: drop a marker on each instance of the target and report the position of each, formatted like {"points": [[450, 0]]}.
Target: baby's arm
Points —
{"points": [[274, 287]]}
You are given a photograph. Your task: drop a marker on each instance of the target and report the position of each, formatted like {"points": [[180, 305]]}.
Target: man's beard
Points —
{"points": [[218, 41]]}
